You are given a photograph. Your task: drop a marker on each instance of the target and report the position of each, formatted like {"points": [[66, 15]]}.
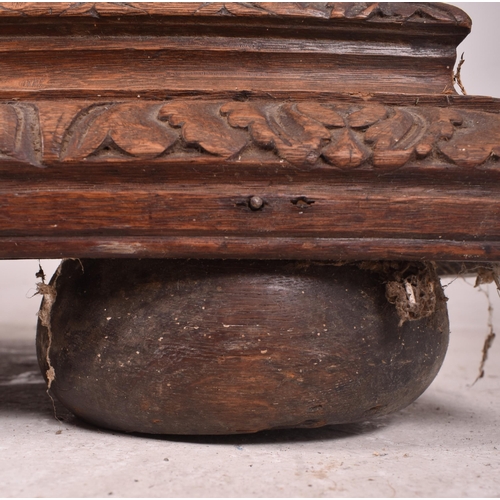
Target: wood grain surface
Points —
{"points": [[204, 347], [146, 129], [76, 49]]}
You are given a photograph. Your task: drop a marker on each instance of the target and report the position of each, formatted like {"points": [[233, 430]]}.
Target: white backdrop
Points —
{"points": [[480, 76], [480, 73]]}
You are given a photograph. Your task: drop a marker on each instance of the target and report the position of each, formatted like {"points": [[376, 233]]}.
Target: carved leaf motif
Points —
{"points": [[297, 138], [385, 136], [472, 148], [298, 132], [412, 12], [442, 127], [320, 113], [20, 133], [367, 116], [345, 151], [372, 12], [292, 9], [202, 125], [8, 129], [132, 127]]}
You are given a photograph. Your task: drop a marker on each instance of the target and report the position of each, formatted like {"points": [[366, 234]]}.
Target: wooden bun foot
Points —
{"points": [[222, 347]]}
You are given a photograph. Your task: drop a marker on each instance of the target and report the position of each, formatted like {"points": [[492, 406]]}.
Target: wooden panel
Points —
{"points": [[314, 221], [288, 210], [145, 71]]}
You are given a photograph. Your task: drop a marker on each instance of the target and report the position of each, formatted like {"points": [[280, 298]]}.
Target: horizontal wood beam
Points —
{"points": [[334, 249]]}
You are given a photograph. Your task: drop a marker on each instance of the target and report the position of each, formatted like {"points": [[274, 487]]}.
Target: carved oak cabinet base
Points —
{"points": [[268, 143]]}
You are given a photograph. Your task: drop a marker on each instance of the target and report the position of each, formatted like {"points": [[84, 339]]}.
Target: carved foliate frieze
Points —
{"points": [[359, 11], [305, 135]]}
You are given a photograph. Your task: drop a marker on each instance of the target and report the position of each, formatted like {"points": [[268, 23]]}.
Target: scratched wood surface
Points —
{"points": [[146, 129]]}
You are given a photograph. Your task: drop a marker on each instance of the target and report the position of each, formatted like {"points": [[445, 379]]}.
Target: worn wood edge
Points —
{"points": [[383, 13], [447, 98], [322, 249], [110, 45]]}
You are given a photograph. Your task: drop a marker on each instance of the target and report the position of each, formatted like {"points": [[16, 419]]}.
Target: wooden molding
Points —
{"points": [[262, 247], [164, 50], [372, 12]]}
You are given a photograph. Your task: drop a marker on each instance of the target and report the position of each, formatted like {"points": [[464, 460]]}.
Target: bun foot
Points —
{"points": [[224, 347]]}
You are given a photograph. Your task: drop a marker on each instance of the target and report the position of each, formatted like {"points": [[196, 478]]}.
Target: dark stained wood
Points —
{"points": [[369, 211], [196, 347], [255, 247], [417, 13]]}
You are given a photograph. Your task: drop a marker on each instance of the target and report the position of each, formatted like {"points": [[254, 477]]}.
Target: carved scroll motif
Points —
{"points": [[20, 138], [304, 134]]}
